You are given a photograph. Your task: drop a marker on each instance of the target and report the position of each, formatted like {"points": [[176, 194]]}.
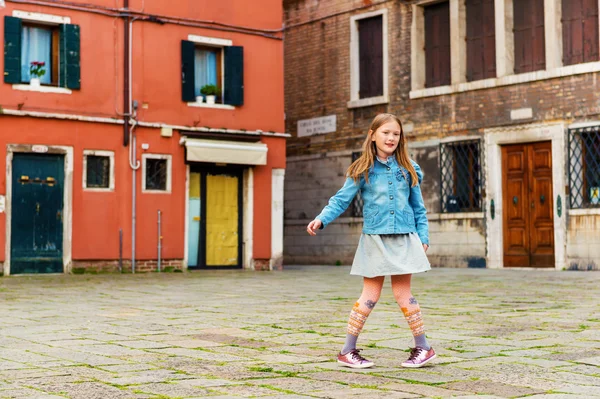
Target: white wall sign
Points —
{"points": [[39, 148], [2, 203], [309, 127]]}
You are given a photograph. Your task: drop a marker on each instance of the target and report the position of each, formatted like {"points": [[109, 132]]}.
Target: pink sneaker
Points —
{"points": [[354, 360], [419, 357]]}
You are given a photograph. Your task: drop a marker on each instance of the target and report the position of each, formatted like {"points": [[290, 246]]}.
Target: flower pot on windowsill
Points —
{"points": [[211, 99], [34, 82], [200, 99]]}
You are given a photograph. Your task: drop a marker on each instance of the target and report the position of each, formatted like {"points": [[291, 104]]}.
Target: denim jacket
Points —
{"points": [[390, 204]]}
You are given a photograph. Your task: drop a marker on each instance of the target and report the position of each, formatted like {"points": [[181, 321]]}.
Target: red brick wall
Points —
{"points": [[317, 82]]}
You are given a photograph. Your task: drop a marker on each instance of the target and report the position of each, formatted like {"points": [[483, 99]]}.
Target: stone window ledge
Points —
{"points": [[584, 212], [507, 80], [42, 89], [367, 102], [205, 105]]}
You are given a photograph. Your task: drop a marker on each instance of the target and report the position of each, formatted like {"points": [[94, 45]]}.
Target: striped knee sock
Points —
{"points": [[356, 322], [415, 322]]}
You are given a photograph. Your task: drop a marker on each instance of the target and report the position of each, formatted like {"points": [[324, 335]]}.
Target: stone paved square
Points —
{"points": [[234, 334]]}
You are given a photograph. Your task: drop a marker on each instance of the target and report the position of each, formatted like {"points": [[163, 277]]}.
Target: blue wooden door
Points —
{"points": [[37, 214]]}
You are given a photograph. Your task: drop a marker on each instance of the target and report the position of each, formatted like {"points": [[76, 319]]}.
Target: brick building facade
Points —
{"points": [[501, 107]]}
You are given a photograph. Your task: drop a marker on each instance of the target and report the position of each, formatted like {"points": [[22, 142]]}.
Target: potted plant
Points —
{"points": [[36, 70], [211, 92]]}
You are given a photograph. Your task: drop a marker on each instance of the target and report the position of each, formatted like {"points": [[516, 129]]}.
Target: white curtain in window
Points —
{"points": [[36, 45], [205, 69]]}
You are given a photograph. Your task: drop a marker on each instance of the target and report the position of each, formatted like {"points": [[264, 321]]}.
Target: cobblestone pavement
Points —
{"points": [[231, 334]]}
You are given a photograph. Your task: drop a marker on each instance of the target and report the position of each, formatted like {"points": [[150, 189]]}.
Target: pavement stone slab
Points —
{"points": [[276, 336]]}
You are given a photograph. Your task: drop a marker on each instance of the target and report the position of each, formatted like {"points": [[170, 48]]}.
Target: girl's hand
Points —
{"points": [[425, 247], [313, 227]]}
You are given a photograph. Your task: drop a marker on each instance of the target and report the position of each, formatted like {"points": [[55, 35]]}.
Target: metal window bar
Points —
{"points": [[156, 174], [356, 207], [98, 171], [584, 167], [461, 176]]}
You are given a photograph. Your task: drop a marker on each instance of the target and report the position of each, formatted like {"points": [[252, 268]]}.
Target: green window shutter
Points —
{"points": [[70, 68], [188, 80], [234, 75], [12, 49]]}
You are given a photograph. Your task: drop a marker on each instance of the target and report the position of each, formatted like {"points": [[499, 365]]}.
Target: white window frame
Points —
{"points": [[44, 19], [504, 50], [219, 44], [111, 173], [166, 157], [355, 100]]}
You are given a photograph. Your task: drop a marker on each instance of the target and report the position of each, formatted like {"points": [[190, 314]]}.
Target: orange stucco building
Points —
{"points": [[181, 102]]}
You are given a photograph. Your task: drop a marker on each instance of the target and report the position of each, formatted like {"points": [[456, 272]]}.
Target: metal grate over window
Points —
{"points": [[356, 207], [156, 174], [584, 167], [98, 171], [461, 179]]}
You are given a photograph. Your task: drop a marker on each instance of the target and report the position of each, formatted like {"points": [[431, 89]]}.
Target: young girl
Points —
{"points": [[394, 237]]}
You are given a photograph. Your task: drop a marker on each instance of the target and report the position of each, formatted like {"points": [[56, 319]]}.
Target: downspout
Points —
{"points": [[130, 123]]}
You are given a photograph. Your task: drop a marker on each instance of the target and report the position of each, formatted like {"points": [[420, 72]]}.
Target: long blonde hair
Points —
{"points": [[369, 151]]}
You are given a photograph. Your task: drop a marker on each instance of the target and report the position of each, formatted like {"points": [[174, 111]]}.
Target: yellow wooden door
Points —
{"points": [[222, 220]]}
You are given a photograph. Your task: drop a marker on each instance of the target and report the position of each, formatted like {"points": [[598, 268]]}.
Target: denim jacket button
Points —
{"points": [[389, 168], [390, 183], [391, 197], [392, 212]]}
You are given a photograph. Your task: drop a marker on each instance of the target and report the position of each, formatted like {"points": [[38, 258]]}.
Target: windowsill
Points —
{"points": [[205, 105], [156, 192], [584, 212], [507, 80], [367, 102], [42, 89], [455, 216], [99, 190]]}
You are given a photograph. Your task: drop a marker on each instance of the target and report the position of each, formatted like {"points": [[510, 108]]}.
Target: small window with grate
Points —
{"points": [[156, 174], [584, 167], [461, 180], [356, 207], [98, 173]]}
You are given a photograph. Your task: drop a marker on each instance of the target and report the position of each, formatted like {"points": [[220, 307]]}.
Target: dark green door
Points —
{"points": [[36, 214]]}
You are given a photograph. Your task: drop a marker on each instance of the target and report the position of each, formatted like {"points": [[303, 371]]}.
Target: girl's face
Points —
{"points": [[386, 139]]}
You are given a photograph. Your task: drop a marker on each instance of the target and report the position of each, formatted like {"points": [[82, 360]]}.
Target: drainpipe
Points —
{"points": [[130, 123]]}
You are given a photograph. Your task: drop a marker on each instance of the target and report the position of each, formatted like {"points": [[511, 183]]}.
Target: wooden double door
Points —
{"points": [[528, 216]]}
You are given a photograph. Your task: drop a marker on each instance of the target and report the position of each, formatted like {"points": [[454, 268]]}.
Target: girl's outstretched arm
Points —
{"points": [[337, 204]]}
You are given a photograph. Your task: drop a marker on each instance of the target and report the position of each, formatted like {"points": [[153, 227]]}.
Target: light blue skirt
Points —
{"points": [[389, 255]]}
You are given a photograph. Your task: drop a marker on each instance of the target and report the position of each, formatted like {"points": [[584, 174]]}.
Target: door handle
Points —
{"points": [[59, 215], [515, 200], [542, 198], [532, 204], [37, 208]]}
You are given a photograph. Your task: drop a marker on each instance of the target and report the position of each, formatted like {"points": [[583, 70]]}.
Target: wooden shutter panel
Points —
{"points": [[474, 40], [567, 27], [234, 75], [437, 45], [530, 51], [539, 36], [12, 50], [70, 68], [188, 81], [590, 30], [481, 40], [489, 39], [370, 47], [580, 31]]}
